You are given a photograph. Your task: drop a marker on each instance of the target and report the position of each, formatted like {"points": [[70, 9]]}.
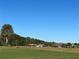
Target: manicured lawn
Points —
{"points": [[34, 53]]}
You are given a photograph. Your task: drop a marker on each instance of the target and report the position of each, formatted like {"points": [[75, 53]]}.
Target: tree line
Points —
{"points": [[9, 37]]}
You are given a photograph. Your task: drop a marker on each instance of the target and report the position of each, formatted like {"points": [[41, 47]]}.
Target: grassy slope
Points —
{"points": [[30, 53]]}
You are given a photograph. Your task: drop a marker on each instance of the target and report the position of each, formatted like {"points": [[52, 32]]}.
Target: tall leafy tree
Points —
{"points": [[6, 32]]}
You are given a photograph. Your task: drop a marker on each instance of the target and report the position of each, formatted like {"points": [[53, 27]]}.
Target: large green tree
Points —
{"points": [[6, 32]]}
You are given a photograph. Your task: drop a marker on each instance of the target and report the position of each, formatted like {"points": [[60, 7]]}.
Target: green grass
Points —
{"points": [[33, 53]]}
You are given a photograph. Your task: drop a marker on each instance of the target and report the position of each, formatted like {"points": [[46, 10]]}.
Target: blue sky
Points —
{"points": [[49, 20]]}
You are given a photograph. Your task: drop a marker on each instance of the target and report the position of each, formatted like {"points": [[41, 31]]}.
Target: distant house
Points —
{"points": [[39, 46], [31, 45], [36, 45]]}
